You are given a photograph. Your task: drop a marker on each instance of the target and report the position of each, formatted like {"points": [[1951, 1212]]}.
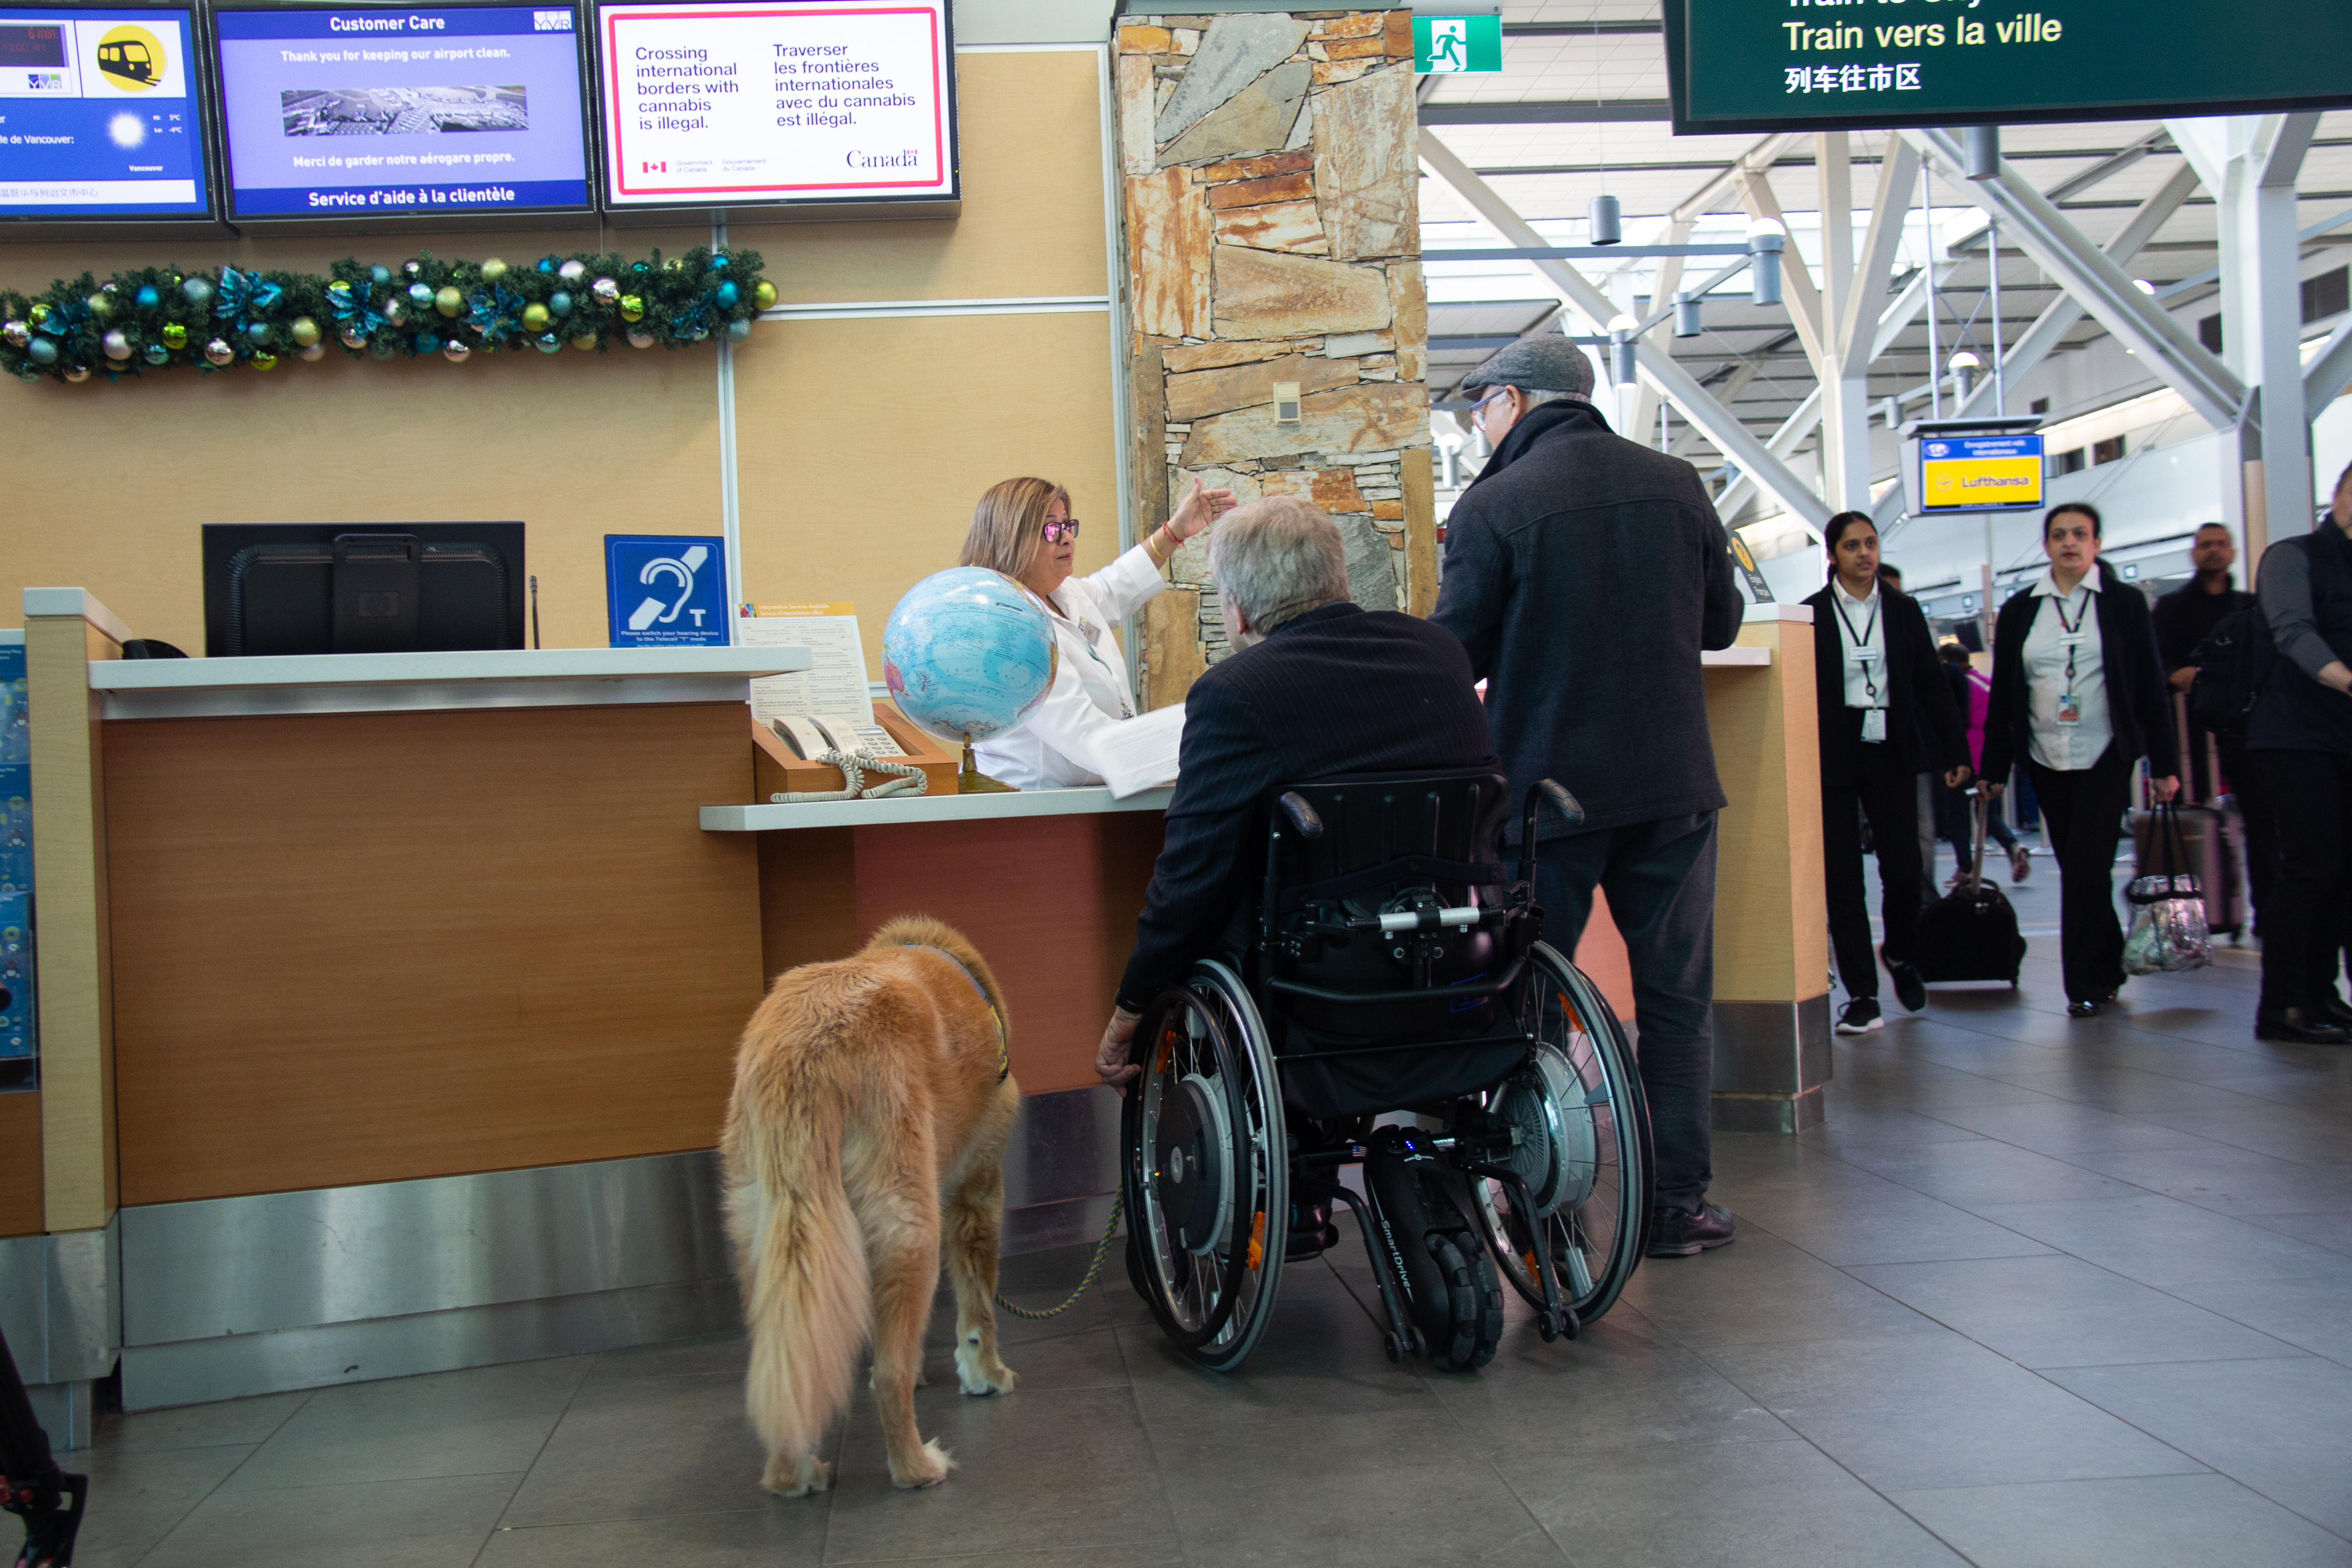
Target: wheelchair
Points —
{"points": [[1395, 964]]}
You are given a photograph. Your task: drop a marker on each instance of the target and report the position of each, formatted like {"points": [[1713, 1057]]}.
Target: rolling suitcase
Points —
{"points": [[2214, 836], [1970, 933]]}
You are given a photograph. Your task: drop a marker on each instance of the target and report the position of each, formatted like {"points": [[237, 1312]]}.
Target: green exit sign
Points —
{"points": [[1442, 45], [1829, 65]]}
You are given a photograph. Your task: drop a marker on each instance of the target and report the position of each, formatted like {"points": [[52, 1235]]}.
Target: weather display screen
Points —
{"points": [[369, 110], [97, 115]]}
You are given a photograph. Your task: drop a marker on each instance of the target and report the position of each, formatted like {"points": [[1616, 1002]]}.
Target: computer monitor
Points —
{"points": [[362, 588]]}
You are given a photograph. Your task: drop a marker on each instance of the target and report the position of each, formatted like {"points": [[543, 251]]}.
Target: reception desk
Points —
{"points": [[388, 1005]]}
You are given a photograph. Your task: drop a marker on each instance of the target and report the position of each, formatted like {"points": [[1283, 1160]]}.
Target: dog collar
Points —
{"points": [[1004, 1050]]}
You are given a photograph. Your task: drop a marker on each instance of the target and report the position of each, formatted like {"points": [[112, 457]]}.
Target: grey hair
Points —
{"points": [[1537, 399], [1276, 558]]}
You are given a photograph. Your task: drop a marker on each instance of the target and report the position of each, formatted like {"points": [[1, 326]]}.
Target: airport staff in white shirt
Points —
{"points": [[1023, 529], [2078, 699]]}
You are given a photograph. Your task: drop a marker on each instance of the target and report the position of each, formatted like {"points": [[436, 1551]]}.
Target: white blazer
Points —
{"points": [[1090, 690]]}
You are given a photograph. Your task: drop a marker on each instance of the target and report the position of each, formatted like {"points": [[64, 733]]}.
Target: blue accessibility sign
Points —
{"points": [[666, 591]]}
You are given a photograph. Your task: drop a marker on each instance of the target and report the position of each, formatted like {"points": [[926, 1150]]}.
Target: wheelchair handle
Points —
{"points": [[1302, 815], [1425, 919], [1542, 792]]}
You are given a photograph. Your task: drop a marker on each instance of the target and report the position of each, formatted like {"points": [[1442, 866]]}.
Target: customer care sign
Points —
{"points": [[1790, 64], [743, 102]]}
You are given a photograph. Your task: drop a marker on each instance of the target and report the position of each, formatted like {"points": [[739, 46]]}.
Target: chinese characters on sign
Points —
{"points": [[1879, 77]]}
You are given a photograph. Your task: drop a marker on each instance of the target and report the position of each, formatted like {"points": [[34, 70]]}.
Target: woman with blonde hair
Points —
{"points": [[1023, 529]]}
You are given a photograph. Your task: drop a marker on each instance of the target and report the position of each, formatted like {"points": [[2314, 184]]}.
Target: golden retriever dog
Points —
{"points": [[871, 1107]]}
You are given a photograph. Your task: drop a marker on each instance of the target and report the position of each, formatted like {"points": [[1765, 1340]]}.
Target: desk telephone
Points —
{"points": [[855, 749]]}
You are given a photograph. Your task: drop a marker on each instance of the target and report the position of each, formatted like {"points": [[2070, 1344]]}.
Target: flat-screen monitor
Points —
{"points": [[371, 113], [841, 105], [362, 588], [99, 115]]}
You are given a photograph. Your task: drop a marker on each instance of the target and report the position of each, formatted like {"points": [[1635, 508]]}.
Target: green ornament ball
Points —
{"points": [[449, 302], [585, 342], [493, 270], [534, 318], [101, 305], [175, 336], [264, 361], [547, 342], [633, 307], [559, 303], [305, 331], [764, 294]]}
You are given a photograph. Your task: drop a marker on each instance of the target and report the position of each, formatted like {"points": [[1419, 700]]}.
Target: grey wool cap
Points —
{"points": [[1547, 362]]}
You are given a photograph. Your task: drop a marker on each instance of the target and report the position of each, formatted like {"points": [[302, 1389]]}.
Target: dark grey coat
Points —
{"points": [[1584, 577]]}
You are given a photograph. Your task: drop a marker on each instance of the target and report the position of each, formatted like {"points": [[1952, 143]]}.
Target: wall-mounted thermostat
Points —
{"points": [[1285, 403]]}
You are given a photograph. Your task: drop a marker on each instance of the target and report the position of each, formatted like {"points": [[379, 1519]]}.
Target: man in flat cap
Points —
{"points": [[1584, 573]]}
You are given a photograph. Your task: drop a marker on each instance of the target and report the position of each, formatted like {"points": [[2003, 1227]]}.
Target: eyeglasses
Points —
{"points": [[1057, 532], [1480, 406]]}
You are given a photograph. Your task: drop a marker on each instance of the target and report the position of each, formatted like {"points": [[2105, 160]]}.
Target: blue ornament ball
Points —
{"points": [[157, 353], [421, 292], [548, 264], [379, 275], [719, 261], [548, 342], [428, 343], [729, 294], [148, 297], [41, 351], [739, 331], [198, 292], [559, 303], [257, 332]]}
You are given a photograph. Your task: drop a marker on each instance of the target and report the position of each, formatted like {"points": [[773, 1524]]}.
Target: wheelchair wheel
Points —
{"points": [[1206, 1167], [1597, 1219]]}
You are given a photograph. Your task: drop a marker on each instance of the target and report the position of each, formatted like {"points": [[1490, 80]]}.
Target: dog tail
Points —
{"points": [[811, 1306]]}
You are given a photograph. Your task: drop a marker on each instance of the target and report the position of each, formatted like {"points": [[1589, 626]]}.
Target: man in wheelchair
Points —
{"points": [[1331, 934]]}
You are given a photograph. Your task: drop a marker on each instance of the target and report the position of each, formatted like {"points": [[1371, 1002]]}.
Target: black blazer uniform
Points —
{"points": [[1924, 726], [1340, 690], [2138, 709]]}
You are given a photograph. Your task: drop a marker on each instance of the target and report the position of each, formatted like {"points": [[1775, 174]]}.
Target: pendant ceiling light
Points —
{"points": [[1603, 224]]}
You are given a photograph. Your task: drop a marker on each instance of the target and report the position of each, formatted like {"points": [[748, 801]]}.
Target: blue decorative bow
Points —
{"points": [[66, 321], [244, 295], [682, 325], [351, 304], [495, 313]]}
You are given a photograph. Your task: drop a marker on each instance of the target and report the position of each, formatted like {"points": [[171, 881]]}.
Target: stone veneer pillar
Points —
{"points": [[1273, 230]]}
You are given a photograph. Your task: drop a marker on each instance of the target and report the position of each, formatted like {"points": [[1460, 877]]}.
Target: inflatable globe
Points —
{"points": [[968, 654]]}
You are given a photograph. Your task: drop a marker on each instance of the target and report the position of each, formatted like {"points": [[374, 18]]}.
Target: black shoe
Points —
{"points": [[2334, 1007], [1860, 1016], [2299, 1027], [52, 1511], [2084, 1009], [1910, 988], [1678, 1233]]}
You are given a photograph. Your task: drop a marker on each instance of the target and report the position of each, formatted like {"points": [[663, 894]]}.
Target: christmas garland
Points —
{"points": [[160, 318]]}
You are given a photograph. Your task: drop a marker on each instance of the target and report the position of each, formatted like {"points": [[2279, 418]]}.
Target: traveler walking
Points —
{"points": [[1880, 694], [1584, 573], [2183, 617], [2078, 699], [2299, 747]]}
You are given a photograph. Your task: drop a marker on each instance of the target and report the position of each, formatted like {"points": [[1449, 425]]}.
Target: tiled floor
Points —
{"points": [[2042, 1294]]}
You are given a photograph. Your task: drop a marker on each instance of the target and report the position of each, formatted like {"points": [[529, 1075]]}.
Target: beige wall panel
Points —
{"points": [[575, 445], [861, 447], [1032, 200]]}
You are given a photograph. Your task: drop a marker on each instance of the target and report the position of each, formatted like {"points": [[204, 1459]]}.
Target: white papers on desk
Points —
{"points": [[834, 686], [1137, 755]]}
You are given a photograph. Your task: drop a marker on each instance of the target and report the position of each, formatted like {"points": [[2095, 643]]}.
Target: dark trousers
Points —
{"points": [[2083, 811], [1883, 789], [2309, 795], [2238, 772], [24, 1446], [1660, 879]]}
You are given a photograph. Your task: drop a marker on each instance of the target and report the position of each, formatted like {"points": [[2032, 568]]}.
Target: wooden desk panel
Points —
{"points": [[20, 1165], [358, 948]]}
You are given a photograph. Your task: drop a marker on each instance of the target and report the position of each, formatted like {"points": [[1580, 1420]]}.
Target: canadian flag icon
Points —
{"points": [[661, 168]]}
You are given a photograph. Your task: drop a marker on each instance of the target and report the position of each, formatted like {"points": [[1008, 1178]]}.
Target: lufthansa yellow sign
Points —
{"points": [[1968, 483]]}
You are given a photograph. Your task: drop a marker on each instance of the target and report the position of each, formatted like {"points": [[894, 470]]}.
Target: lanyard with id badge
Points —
{"points": [[1873, 718], [2069, 637]]}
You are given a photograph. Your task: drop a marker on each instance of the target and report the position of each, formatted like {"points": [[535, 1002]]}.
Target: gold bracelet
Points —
{"points": [[1150, 550]]}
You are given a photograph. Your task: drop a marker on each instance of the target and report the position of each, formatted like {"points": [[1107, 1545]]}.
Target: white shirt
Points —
{"points": [[1090, 690], [1865, 640], [2066, 748]]}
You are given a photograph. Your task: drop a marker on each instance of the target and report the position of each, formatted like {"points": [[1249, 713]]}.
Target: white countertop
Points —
{"points": [[927, 808], [1734, 658], [369, 682]]}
